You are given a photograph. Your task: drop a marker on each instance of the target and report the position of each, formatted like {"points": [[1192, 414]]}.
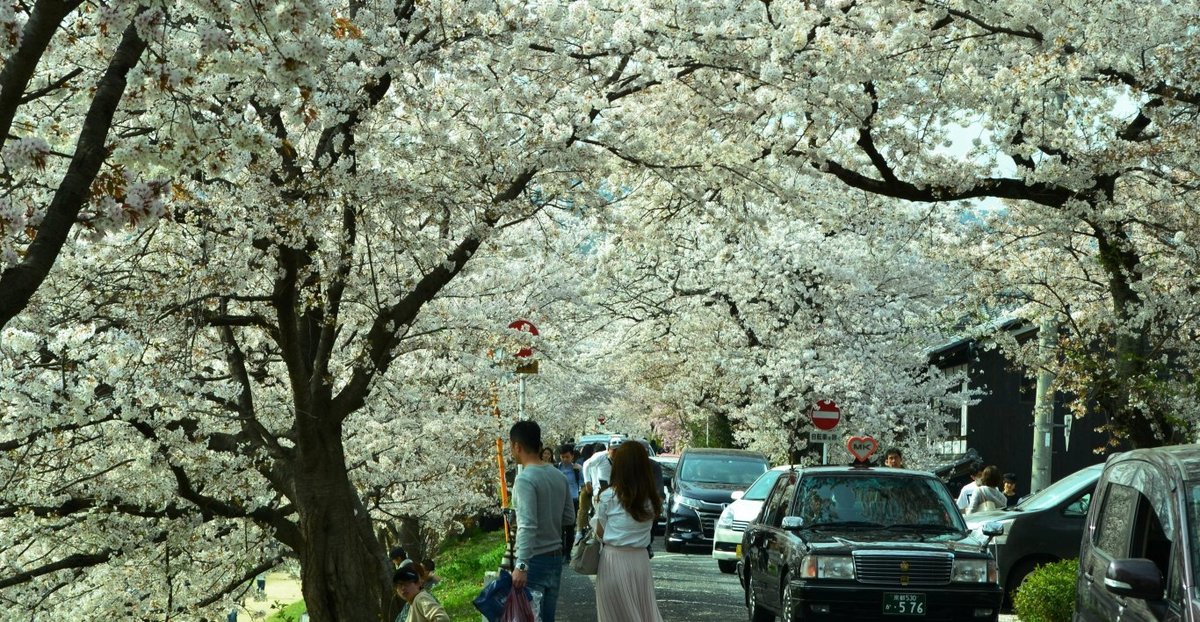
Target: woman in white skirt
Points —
{"points": [[624, 515]]}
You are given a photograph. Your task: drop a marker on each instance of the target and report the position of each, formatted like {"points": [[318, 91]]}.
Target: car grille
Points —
{"points": [[708, 523], [904, 568], [740, 525]]}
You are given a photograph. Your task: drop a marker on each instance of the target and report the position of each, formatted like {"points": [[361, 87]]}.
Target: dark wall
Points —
{"points": [[1000, 426]]}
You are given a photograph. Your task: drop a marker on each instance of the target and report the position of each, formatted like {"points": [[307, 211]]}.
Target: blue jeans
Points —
{"points": [[545, 573]]}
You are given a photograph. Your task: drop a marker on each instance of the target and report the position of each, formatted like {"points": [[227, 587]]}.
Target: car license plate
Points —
{"points": [[738, 551], [903, 604]]}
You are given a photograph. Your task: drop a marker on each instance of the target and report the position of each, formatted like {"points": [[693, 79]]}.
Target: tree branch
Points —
{"points": [[19, 282]]}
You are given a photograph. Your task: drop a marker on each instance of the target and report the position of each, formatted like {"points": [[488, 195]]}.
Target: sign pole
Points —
{"points": [[521, 398]]}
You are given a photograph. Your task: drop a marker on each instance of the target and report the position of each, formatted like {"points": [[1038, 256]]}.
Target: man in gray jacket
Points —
{"points": [[543, 507]]}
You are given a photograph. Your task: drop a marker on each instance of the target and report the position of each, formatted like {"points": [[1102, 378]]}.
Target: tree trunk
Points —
{"points": [[344, 570], [1131, 347]]}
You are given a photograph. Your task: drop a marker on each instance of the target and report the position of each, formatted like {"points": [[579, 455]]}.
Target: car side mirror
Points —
{"points": [[993, 529], [792, 522], [738, 494], [1134, 578]]}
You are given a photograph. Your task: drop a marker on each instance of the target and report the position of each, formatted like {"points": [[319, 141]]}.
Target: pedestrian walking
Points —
{"points": [[624, 517], [547, 455], [987, 495], [574, 474], [598, 468], [543, 508], [964, 496], [421, 605]]}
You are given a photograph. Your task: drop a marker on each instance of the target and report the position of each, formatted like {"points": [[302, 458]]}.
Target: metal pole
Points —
{"points": [[824, 453], [521, 398], [1043, 408]]}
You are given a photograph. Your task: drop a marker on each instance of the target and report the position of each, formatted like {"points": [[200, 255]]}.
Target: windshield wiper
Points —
{"points": [[847, 524], [924, 527]]}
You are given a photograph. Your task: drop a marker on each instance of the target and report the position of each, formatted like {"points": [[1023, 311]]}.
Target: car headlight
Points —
{"points": [[827, 567], [726, 520], [975, 571], [687, 501]]}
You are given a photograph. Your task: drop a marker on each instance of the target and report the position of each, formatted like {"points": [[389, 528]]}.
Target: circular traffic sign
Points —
{"points": [[524, 326], [825, 415]]}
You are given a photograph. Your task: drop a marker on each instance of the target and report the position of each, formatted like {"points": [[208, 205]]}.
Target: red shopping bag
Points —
{"points": [[517, 608]]}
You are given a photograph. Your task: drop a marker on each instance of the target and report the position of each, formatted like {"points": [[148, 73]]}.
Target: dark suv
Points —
{"points": [[1140, 552], [1043, 528], [703, 485], [860, 543]]}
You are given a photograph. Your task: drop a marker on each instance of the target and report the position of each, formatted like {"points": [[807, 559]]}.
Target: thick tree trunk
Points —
{"points": [[345, 573], [1131, 349]]}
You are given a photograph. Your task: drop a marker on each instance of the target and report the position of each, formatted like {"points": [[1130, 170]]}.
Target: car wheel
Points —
{"points": [[788, 602], [727, 566], [757, 613]]}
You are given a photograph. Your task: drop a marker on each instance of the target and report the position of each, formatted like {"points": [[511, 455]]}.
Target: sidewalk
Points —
{"points": [[282, 590]]}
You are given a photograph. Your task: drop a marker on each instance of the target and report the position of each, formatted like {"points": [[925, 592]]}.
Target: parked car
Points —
{"points": [[703, 485], [1044, 527], [667, 462], [727, 537], [603, 439], [1139, 558], [862, 543]]}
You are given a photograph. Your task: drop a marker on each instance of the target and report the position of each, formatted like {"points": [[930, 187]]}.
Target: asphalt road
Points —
{"points": [[689, 587]]}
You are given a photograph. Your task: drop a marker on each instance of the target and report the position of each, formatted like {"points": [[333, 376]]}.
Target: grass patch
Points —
{"points": [[461, 565], [290, 613]]}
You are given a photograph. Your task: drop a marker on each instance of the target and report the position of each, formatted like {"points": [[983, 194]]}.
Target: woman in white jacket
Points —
{"points": [[987, 495], [624, 515]]}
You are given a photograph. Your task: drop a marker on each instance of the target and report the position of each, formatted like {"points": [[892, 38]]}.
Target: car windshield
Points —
{"points": [[762, 486], [868, 501], [722, 470], [1061, 490]]}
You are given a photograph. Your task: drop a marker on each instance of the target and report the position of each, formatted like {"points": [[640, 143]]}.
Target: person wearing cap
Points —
{"points": [[422, 606]]}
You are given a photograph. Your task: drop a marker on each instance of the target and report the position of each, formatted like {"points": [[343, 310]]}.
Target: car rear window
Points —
{"points": [[733, 470]]}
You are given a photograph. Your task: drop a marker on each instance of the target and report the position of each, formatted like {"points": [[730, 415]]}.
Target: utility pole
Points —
{"points": [[1043, 406]]}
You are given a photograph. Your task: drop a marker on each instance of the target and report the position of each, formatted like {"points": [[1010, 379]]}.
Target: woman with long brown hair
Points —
{"points": [[624, 515]]}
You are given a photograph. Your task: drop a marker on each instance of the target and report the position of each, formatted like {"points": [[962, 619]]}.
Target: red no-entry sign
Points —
{"points": [[524, 326], [825, 415]]}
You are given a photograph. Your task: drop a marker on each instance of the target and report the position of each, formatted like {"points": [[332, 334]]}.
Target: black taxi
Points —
{"points": [[863, 543]]}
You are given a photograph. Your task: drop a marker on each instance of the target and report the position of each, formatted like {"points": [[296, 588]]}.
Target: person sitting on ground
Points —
{"points": [[428, 579], [421, 605], [400, 558]]}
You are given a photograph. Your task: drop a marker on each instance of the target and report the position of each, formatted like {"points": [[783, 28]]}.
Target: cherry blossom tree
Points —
{"points": [[281, 359], [1076, 117], [64, 101]]}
